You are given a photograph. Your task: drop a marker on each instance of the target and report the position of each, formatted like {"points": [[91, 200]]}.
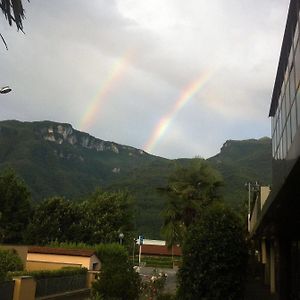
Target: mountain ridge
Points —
{"points": [[56, 159]]}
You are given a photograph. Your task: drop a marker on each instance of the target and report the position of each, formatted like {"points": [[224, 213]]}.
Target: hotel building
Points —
{"points": [[276, 221]]}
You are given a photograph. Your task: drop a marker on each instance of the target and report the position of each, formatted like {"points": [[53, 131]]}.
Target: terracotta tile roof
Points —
{"points": [[160, 250], [61, 251]]}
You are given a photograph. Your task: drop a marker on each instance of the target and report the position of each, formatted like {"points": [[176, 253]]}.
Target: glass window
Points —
{"points": [[287, 98], [277, 136], [293, 120], [292, 84], [289, 133], [273, 146], [291, 58], [282, 150], [286, 77], [279, 127], [279, 151], [284, 143], [272, 125], [296, 35], [283, 112], [297, 65], [298, 107]]}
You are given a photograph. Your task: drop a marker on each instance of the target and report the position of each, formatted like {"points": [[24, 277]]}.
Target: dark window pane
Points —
{"points": [[288, 131], [284, 143], [292, 84], [293, 120], [298, 107], [297, 65]]}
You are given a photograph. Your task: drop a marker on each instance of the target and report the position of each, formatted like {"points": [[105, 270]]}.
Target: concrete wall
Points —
{"points": [[24, 288]]}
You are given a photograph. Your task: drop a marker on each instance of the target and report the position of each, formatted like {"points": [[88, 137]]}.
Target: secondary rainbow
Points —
{"points": [[115, 74], [186, 95]]}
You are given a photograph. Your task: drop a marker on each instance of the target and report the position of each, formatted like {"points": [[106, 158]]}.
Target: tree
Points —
{"points": [[15, 207], [55, 219], [214, 257], [189, 191], [14, 13], [105, 215], [118, 279], [9, 261]]}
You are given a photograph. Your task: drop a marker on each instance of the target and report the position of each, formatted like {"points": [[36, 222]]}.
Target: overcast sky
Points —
{"points": [[175, 78]]}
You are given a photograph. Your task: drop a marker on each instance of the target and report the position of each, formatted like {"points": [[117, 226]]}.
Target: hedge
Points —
{"points": [[67, 271]]}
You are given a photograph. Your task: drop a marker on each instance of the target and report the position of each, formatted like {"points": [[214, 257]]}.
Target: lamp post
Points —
{"points": [[121, 237], [5, 90]]}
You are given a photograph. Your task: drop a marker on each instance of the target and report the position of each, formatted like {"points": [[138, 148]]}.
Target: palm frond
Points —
{"points": [[13, 11]]}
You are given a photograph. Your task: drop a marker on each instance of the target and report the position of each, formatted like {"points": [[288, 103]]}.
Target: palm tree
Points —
{"points": [[14, 13], [190, 190]]}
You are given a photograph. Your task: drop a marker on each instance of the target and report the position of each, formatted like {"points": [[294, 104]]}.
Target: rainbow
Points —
{"points": [[187, 94], [116, 72]]}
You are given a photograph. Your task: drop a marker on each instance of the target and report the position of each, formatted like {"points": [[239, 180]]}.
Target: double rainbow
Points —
{"points": [[115, 74], [186, 95]]}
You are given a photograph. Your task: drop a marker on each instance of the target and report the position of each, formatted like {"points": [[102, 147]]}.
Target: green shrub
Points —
{"points": [[9, 261], [153, 287], [214, 257], [68, 271], [117, 279]]}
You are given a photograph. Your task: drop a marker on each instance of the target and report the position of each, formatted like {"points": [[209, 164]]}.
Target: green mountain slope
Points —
{"points": [[240, 162], [55, 159]]}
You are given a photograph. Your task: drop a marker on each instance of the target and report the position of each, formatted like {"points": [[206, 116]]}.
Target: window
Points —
{"points": [[293, 120], [292, 84], [291, 58], [289, 133], [296, 35], [284, 150], [297, 65], [287, 98], [298, 107]]}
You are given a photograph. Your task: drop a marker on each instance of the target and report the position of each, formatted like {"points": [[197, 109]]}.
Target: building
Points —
{"points": [[45, 258], [160, 250], [277, 221]]}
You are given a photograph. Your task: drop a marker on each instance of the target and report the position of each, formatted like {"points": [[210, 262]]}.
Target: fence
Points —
{"points": [[56, 285], [7, 290]]}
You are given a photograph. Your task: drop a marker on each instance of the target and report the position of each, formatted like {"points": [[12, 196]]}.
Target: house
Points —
{"points": [[46, 258], [275, 222], [160, 250]]}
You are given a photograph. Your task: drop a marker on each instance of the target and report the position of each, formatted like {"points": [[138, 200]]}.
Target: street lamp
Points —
{"points": [[121, 237], [5, 90]]}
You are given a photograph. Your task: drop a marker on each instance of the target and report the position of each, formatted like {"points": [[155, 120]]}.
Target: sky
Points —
{"points": [[174, 78]]}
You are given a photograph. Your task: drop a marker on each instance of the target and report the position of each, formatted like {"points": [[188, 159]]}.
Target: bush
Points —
{"points": [[68, 271], [117, 279], [154, 286], [9, 261], [214, 257]]}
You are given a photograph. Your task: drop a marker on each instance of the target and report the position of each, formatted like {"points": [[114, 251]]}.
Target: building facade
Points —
{"points": [[277, 224]]}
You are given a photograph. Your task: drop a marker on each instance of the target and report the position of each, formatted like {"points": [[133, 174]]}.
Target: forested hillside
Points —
{"points": [[55, 159]]}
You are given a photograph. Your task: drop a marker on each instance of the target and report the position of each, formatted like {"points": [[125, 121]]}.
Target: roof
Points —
{"points": [[160, 250], [61, 251]]}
